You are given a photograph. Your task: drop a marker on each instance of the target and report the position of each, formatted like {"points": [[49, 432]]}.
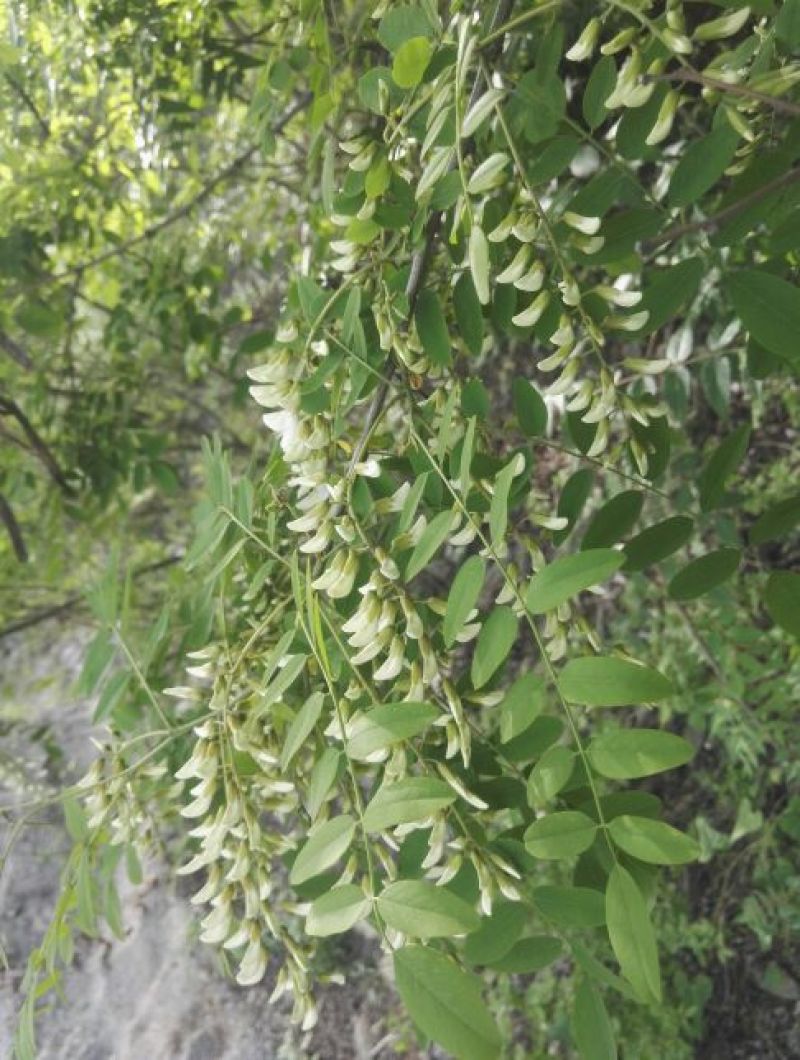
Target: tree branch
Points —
{"points": [[27, 99], [207, 189], [9, 520], [74, 601], [38, 444], [696, 78], [15, 351], [710, 223]]}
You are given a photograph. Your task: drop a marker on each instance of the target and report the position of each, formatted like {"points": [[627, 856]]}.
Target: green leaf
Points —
{"points": [[591, 1027], [702, 164], [657, 542], [782, 598], [337, 911], [498, 510], [370, 90], [411, 61], [606, 681], [324, 773], [388, 724], [573, 499], [495, 641], [445, 1002], [521, 706], [475, 399], [284, 679], [377, 179], [569, 575], [432, 328], [614, 520], [411, 503], [479, 263], [598, 971], [99, 654], [652, 841], [721, 465], [497, 933], [626, 754], [631, 934], [433, 537], [401, 23], [560, 835], [114, 691], [302, 726], [668, 291], [75, 819], [463, 596], [550, 774], [467, 450], [599, 87], [541, 100], [553, 160], [581, 907], [769, 308], [777, 521], [529, 955], [469, 315], [325, 845], [39, 320], [529, 408], [535, 739], [425, 911], [704, 574], [787, 23], [412, 799]]}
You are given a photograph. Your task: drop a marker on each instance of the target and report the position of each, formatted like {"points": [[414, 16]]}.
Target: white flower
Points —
{"points": [[374, 647], [320, 541], [518, 265], [216, 926], [589, 226], [528, 317], [254, 964], [532, 280], [586, 42], [393, 663]]}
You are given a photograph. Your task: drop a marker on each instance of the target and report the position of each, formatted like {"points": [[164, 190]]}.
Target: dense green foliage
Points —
{"points": [[514, 286]]}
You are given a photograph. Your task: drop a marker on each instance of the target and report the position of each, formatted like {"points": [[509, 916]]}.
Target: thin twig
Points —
{"points": [[696, 78], [37, 443], [15, 351], [9, 520], [75, 601], [207, 189], [717, 219], [27, 99]]}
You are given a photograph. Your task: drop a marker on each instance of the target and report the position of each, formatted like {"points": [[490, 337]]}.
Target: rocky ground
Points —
{"points": [[156, 994]]}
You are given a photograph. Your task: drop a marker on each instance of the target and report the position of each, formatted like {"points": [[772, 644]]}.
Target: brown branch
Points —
{"points": [[74, 601], [696, 78], [207, 190], [15, 351], [9, 520], [27, 99], [718, 219], [37, 443]]}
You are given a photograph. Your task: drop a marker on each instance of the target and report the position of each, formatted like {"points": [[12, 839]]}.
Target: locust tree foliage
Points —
{"points": [[531, 234]]}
